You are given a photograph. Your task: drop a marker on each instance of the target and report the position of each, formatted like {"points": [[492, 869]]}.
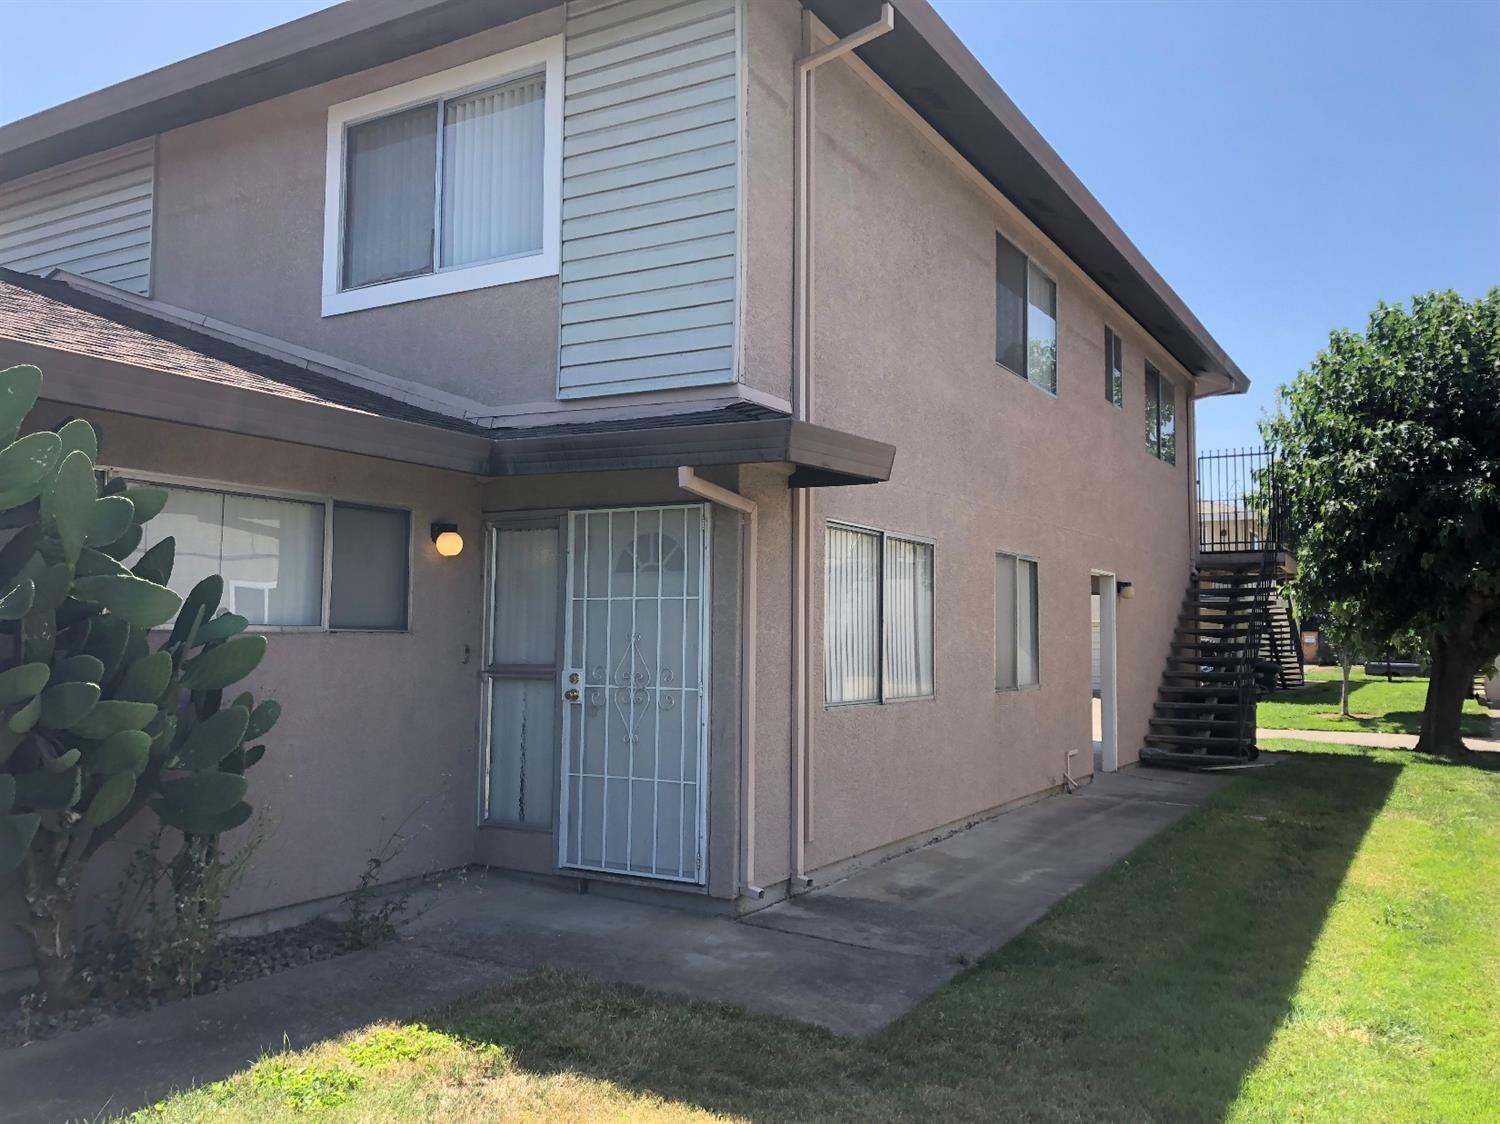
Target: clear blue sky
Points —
{"points": [[1284, 165]]}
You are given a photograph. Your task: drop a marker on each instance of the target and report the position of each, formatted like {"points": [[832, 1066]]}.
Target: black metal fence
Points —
{"points": [[1240, 502]]}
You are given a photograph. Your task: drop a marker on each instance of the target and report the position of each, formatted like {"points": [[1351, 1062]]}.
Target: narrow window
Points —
{"points": [[851, 617], [1153, 410], [370, 563], [1010, 306], [1025, 317], [1016, 636], [1041, 329], [1166, 410], [1114, 368], [878, 617], [1161, 416], [908, 619], [450, 183]]}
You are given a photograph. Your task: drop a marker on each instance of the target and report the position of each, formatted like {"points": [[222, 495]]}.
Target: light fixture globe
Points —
{"points": [[446, 538]]}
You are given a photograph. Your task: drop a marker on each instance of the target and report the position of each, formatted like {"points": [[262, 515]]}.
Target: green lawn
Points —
{"points": [[1320, 941], [1387, 708]]}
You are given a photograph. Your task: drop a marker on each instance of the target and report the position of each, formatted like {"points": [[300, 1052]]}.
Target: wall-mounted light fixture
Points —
{"points": [[1126, 590], [446, 538]]}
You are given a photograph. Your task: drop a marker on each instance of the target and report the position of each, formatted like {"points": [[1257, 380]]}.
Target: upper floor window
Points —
{"points": [[1025, 317], [1161, 416], [877, 617], [1114, 368], [445, 184]]}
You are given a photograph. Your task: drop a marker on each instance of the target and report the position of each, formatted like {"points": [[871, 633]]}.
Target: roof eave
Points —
{"points": [[317, 48], [929, 67]]}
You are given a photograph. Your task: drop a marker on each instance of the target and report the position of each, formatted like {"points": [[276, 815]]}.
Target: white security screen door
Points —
{"points": [[635, 699]]}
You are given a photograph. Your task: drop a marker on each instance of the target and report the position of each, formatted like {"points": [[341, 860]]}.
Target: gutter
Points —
{"points": [[801, 822], [690, 482]]}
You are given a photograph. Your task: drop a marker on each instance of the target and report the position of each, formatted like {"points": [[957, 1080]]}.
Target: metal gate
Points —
{"points": [[635, 692]]}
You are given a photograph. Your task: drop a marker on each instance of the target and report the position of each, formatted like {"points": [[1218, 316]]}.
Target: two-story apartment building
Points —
{"points": [[671, 444]]}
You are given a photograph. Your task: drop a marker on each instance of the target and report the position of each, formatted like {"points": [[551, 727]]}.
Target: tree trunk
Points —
{"points": [[1453, 663], [1345, 664], [51, 928]]}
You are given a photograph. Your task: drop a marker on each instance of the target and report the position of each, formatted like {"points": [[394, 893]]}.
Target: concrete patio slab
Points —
{"points": [[957, 899], [851, 957]]}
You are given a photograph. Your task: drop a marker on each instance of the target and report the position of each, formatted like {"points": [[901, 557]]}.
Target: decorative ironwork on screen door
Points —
{"points": [[635, 692]]}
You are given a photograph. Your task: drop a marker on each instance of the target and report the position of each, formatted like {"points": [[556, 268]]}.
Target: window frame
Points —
{"points": [[199, 484], [1153, 442], [543, 57], [881, 698], [1112, 386], [1030, 263], [1016, 557]]}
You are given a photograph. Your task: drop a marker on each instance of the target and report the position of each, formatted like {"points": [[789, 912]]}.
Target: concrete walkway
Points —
{"points": [[1372, 739], [851, 957]]}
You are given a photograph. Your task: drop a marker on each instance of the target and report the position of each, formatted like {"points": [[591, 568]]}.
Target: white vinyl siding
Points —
{"points": [[91, 217], [878, 617], [1017, 649], [650, 196]]}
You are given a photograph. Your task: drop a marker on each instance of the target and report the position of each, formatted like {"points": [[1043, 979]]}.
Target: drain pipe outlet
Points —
{"points": [[689, 481]]}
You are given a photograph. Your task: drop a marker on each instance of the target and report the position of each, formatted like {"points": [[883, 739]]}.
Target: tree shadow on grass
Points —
{"points": [[1149, 994]]}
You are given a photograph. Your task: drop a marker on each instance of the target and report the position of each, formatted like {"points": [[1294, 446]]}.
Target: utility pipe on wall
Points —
{"points": [[802, 408], [690, 482]]}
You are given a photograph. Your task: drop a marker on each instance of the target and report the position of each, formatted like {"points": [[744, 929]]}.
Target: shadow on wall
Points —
{"points": [[1150, 994]]}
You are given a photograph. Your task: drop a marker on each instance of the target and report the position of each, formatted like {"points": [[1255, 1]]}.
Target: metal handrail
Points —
{"points": [[1241, 502]]}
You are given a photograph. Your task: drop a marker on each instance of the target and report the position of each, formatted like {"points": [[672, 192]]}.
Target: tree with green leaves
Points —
{"points": [[97, 723], [1390, 462]]}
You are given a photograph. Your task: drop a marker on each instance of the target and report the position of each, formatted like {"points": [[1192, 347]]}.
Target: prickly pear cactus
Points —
{"points": [[100, 717]]}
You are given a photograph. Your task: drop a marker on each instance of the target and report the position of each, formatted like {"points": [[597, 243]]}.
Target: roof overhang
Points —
{"points": [[818, 456], [924, 62], [317, 48]]}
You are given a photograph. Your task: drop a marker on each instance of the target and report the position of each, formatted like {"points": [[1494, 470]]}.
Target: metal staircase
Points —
{"points": [[1235, 635], [1205, 706]]}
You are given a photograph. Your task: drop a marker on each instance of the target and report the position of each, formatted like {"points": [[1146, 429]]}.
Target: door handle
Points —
{"points": [[571, 694]]}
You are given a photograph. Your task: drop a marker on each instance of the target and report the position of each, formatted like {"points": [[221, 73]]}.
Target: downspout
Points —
{"points": [[690, 482], [802, 410]]}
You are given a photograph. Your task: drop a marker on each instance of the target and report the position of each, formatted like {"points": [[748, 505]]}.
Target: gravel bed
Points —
{"points": [[245, 958]]}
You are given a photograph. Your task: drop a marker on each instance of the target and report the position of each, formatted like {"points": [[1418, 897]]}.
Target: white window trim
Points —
{"points": [[881, 698], [202, 485], [546, 56], [1026, 320], [1017, 557]]}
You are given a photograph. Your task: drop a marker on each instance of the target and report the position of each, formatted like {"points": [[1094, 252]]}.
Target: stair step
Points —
{"points": [[1226, 727], [1197, 707], [1188, 739]]}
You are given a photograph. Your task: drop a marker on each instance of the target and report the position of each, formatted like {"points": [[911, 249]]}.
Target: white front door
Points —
{"points": [[635, 693]]}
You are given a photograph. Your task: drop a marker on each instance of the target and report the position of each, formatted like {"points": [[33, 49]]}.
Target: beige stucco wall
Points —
{"points": [[239, 236], [378, 730], [904, 352]]}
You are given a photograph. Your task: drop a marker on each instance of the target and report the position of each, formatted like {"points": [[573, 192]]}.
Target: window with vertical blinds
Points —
{"points": [[1114, 367], [454, 182], [908, 619], [1016, 610], [878, 617]]}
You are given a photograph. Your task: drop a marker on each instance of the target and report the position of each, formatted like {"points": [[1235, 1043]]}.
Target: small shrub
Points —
{"points": [[161, 933], [304, 1087], [392, 1045], [373, 913]]}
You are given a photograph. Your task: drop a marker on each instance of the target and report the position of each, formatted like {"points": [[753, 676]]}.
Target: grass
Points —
{"points": [[1377, 706], [1318, 942]]}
